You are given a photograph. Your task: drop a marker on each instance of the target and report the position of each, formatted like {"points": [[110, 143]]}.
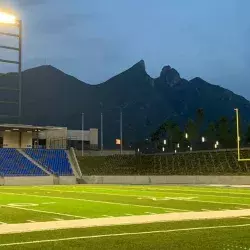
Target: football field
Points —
{"points": [[125, 217]]}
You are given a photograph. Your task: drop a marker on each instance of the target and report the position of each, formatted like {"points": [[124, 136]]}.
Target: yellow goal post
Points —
{"points": [[238, 136]]}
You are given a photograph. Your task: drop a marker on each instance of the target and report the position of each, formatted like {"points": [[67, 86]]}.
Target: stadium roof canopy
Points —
{"points": [[26, 128]]}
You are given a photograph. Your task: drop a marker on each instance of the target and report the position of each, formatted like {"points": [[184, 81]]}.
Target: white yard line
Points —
{"points": [[125, 204], [48, 203], [114, 194], [242, 217], [58, 219], [197, 193], [42, 211], [32, 221], [125, 220], [182, 191], [94, 201], [122, 235]]}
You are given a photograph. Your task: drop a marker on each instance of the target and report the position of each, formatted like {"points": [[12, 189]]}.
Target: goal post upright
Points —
{"points": [[238, 136]]}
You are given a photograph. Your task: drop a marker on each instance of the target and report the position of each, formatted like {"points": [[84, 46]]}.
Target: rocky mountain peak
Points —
{"points": [[170, 76]]}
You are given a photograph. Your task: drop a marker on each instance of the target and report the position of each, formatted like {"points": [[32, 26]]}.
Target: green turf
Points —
{"points": [[52, 203], [209, 234], [92, 201]]}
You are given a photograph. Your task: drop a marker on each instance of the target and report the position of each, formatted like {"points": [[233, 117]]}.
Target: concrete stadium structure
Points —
{"points": [[49, 137], [39, 155]]}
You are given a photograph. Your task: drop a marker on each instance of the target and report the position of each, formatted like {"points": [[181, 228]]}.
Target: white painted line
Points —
{"points": [[149, 213], [94, 201], [32, 221], [185, 192], [242, 217], [46, 212], [48, 203], [122, 234], [141, 219], [178, 192], [177, 210], [58, 219], [129, 214], [127, 195]]}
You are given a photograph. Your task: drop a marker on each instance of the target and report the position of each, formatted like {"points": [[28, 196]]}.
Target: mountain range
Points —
{"points": [[51, 97]]}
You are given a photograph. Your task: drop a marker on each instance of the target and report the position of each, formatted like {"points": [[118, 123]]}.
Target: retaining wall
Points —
{"points": [[173, 179], [27, 181], [67, 180]]}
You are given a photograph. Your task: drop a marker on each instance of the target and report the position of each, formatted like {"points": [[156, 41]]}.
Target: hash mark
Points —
{"points": [[58, 219]]}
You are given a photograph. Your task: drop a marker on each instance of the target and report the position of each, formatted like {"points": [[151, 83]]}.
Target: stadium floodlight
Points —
{"points": [[7, 18], [186, 135], [203, 139], [11, 20], [163, 149], [165, 142]]}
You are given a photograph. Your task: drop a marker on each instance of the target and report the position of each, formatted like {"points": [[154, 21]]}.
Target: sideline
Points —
{"points": [[141, 219]]}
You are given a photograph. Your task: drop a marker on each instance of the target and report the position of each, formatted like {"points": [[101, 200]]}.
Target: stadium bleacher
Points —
{"points": [[54, 160], [12, 163]]}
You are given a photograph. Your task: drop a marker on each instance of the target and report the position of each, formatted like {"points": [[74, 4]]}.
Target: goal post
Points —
{"points": [[238, 136]]}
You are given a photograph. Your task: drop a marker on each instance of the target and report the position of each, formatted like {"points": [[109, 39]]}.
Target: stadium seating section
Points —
{"points": [[12, 163], [54, 160], [191, 163]]}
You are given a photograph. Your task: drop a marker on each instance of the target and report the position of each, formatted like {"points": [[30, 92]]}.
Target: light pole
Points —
{"points": [[11, 20], [121, 132], [101, 132], [238, 132], [82, 134]]}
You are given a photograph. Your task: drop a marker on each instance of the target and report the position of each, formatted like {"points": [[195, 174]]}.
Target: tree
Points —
{"points": [[224, 133], [192, 132], [247, 135], [211, 132], [199, 120]]}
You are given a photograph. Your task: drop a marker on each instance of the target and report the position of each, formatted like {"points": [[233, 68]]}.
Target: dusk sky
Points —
{"points": [[95, 39]]}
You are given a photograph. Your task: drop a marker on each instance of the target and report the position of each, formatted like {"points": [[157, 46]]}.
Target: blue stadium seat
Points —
{"points": [[12, 163], [55, 160]]}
